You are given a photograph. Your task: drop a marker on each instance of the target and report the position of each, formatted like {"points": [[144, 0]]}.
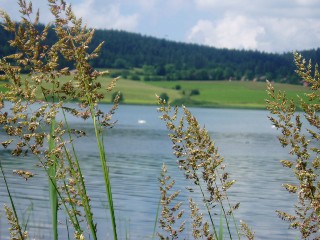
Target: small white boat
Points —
{"points": [[141, 121]]}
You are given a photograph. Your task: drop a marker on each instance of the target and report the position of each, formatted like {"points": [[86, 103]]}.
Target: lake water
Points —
{"points": [[136, 151]]}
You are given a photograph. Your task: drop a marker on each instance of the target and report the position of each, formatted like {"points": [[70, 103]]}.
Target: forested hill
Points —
{"points": [[173, 60]]}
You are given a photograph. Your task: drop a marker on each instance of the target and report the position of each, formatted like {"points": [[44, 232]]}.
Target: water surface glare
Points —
{"points": [[136, 149]]}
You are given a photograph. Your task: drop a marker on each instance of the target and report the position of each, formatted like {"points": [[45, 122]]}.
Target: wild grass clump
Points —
{"points": [[32, 124], [300, 133], [203, 167]]}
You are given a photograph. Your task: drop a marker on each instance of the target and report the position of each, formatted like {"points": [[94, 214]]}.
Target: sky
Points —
{"points": [[263, 25]]}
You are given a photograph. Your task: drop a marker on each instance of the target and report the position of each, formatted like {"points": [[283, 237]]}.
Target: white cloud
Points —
{"points": [[94, 13], [147, 4], [267, 34], [229, 32], [284, 8], [234, 4], [286, 34], [105, 17], [307, 2], [177, 4]]}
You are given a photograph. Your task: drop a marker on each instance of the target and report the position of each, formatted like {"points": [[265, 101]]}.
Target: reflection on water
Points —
{"points": [[136, 152]]}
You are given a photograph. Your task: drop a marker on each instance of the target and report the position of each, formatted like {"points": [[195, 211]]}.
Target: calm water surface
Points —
{"points": [[136, 151]]}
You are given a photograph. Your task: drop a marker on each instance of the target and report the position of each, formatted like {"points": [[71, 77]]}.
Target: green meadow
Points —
{"points": [[222, 94], [229, 94]]}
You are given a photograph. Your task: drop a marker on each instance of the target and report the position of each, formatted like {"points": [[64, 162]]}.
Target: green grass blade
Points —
{"points": [[80, 183], [52, 185], [28, 212], [221, 227], [99, 137], [156, 220], [68, 231], [127, 230], [105, 170], [72, 217], [104, 167], [209, 212], [233, 219], [11, 202]]}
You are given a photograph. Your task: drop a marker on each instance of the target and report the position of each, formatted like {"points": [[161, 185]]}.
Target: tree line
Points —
{"points": [[161, 59]]}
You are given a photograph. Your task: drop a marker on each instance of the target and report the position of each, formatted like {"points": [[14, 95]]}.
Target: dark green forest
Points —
{"points": [[161, 59]]}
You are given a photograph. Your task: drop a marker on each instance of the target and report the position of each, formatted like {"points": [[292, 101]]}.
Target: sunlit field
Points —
{"points": [[228, 94], [233, 94]]}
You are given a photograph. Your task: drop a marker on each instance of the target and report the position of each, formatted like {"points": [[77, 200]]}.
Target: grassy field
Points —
{"points": [[234, 94], [136, 92], [224, 94]]}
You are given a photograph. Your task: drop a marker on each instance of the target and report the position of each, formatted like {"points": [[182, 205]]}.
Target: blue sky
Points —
{"points": [[264, 25]]}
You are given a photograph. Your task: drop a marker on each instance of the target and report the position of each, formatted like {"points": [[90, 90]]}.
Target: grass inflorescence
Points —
{"points": [[302, 138], [202, 165]]}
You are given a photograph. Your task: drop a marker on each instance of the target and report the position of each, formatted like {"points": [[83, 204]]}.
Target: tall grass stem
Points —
{"points": [[80, 183], [52, 184]]}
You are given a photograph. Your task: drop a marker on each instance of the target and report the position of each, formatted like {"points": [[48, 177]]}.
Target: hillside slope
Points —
{"points": [[181, 61]]}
